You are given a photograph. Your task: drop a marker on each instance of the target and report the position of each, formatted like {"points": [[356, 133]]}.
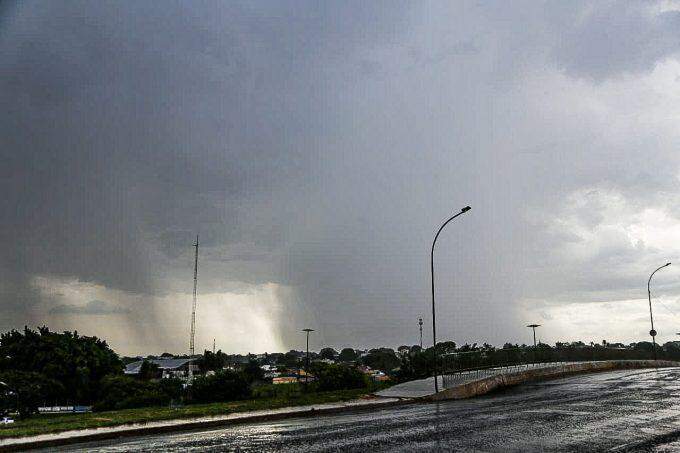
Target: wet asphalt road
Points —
{"points": [[635, 410]]}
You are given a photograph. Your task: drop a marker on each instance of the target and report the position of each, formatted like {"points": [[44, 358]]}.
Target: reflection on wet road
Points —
{"points": [[635, 410]]}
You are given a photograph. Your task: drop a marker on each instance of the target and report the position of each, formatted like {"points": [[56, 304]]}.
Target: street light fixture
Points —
{"points": [[651, 318], [434, 322], [533, 327]]}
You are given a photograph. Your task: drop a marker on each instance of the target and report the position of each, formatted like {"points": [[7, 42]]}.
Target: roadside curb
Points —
{"points": [[123, 431]]}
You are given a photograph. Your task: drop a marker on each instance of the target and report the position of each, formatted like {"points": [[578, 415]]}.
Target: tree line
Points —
{"points": [[41, 367]]}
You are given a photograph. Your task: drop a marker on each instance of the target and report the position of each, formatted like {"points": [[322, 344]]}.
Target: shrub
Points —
{"points": [[123, 392], [338, 377], [222, 386]]}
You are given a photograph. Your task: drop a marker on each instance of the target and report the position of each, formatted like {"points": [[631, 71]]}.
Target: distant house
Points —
{"points": [[270, 371], [375, 375], [169, 368], [292, 376], [304, 376], [364, 369], [284, 380]]}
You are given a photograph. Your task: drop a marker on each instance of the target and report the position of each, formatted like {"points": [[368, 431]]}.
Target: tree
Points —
{"points": [[403, 350], [348, 355], [25, 391], [149, 370], [290, 359], [416, 365], [79, 363], [252, 372], [381, 359], [212, 362], [328, 353]]}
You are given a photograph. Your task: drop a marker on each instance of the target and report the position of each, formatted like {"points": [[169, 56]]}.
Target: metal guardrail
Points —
{"points": [[460, 377]]}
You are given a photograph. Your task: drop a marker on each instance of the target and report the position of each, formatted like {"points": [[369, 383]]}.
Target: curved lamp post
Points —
{"points": [[651, 318], [434, 324]]}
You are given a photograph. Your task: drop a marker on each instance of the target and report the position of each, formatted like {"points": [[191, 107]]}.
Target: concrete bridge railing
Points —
{"points": [[469, 385]]}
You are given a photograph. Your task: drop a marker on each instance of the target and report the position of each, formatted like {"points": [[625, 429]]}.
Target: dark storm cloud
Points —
{"points": [[611, 38], [315, 145], [129, 127]]}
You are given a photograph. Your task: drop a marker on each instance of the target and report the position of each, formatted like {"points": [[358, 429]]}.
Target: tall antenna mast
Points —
{"points": [[193, 306]]}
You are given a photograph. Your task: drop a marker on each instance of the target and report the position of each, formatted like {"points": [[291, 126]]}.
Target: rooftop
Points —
{"points": [[163, 364]]}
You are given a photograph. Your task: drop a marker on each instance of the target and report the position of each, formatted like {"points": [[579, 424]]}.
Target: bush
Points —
{"points": [[338, 377], [220, 387], [289, 391], [25, 391], [123, 392]]}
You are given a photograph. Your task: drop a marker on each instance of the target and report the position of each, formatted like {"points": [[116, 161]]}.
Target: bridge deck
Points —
{"points": [[425, 387]]}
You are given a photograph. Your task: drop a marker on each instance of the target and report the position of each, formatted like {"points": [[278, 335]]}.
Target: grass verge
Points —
{"points": [[45, 424]]}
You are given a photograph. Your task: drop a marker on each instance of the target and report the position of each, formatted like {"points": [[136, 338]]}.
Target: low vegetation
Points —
{"points": [[292, 395]]}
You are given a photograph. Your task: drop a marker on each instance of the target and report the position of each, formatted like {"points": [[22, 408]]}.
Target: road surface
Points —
{"points": [[632, 410]]}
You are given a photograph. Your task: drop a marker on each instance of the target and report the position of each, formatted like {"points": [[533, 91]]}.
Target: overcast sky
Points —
{"points": [[316, 147]]}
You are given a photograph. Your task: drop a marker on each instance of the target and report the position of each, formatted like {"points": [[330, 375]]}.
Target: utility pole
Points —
{"points": [[420, 325], [193, 306]]}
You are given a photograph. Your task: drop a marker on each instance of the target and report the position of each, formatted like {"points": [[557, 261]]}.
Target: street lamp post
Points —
{"points": [[307, 331], [533, 327], [651, 318], [434, 322], [420, 325]]}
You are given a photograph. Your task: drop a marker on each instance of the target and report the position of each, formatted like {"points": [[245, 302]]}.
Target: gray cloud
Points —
{"points": [[319, 146], [610, 38], [93, 307]]}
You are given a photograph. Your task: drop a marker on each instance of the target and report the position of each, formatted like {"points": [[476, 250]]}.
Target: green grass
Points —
{"points": [[43, 424]]}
